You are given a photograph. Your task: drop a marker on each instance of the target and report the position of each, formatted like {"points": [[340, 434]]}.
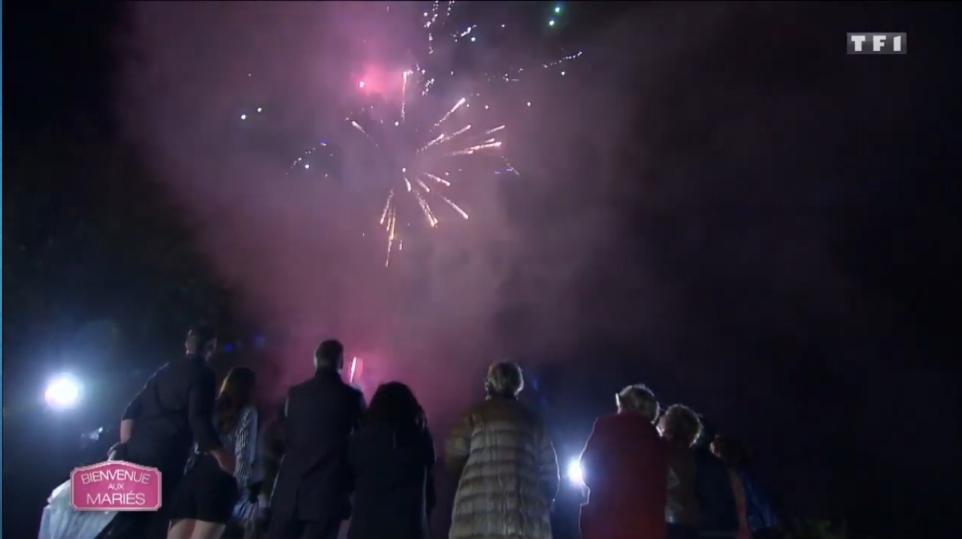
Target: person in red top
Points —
{"points": [[625, 466]]}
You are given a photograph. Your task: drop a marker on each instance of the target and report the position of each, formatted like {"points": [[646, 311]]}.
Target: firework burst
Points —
{"points": [[427, 131]]}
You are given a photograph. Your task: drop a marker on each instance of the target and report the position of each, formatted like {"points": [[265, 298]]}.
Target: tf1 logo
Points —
{"points": [[877, 43]]}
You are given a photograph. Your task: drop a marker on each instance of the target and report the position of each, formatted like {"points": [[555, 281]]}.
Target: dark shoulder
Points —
{"points": [[300, 388], [201, 373], [317, 384], [352, 392]]}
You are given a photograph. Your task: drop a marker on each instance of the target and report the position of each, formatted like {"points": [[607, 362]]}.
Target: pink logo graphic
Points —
{"points": [[115, 485]]}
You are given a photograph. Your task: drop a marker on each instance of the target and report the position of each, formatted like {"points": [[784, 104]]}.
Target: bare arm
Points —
{"points": [[126, 430], [245, 447], [200, 406]]}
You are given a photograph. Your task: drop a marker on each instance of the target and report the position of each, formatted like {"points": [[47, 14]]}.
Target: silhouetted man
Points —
{"points": [[160, 425], [311, 496]]}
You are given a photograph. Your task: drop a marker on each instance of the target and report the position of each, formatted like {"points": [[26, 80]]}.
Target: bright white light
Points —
{"points": [[361, 84], [575, 474], [557, 9], [528, 103], [62, 392], [307, 166], [551, 22], [562, 73], [473, 39], [243, 116], [396, 123], [259, 109]]}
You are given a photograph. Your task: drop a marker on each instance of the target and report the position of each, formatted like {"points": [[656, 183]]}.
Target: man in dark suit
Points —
{"points": [[160, 425], [311, 495]]}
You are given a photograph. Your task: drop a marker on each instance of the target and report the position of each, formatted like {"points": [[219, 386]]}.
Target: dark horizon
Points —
{"points": [[718, 202]]}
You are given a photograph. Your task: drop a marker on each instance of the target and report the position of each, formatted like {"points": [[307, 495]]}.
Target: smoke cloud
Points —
{"points": [[301, 252]]}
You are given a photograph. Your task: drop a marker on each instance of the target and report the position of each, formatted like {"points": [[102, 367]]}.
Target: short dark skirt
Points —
{"points": [[206, 493]]}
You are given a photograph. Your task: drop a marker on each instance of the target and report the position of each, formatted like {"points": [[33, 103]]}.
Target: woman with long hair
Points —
{"points": [[205, 501], [392, 459]]}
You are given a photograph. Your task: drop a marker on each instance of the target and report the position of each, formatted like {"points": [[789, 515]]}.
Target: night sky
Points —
{"points": [[715, 200]]}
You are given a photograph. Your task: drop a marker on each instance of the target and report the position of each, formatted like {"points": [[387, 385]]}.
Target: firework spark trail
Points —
{"points": [[305, 153], [438, 179], [455, 206], [427, 87], [427, 25], [407, 182], [387, 205], [508, 77], [426, 208], [442, 138], [423, 185], [458, 36], [495, 130], [450, 112], [472, 149], [432, 142], [390, 237], [456, 133], [562, 60], [357, 126], [404, 91]]}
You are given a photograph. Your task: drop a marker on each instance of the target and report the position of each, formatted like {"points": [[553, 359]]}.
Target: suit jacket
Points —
{"points": [[314, 483]]}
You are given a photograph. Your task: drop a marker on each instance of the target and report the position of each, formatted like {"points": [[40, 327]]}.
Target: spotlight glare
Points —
{"points": [[62, 392], [575, 473], [551, 23]]}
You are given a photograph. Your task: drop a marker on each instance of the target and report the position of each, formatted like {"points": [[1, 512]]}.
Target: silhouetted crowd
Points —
{"points": [[330, 459]]}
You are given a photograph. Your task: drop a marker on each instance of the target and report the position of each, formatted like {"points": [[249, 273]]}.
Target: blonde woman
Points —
{"points": [[506, 464]]}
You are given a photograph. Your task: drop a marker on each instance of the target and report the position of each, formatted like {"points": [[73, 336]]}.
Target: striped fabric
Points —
{"points": [[508, 473]]}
